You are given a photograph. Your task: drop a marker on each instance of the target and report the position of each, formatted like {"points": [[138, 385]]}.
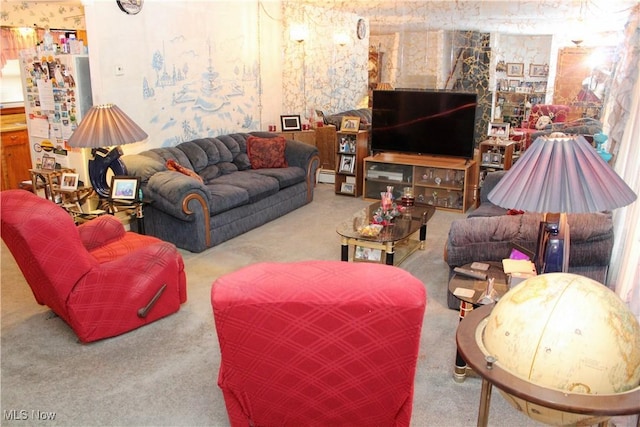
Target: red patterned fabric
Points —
{"points": [[557, 114], [98, 292], [318, 343], [175, 166], [266, 152]]}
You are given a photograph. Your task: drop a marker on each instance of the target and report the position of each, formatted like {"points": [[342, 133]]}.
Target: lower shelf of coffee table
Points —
{"points": [[366, 251]]}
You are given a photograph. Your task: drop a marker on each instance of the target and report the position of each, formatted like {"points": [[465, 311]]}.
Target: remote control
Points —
{"points": [[470, 273]]}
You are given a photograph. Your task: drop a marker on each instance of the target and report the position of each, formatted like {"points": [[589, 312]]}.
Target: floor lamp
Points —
{"points": [[105, 126], [560, 174]]}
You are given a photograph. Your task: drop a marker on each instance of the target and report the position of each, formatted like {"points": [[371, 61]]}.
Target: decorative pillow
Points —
{"points": [[175, 166], [542, 122], [267, 152]]}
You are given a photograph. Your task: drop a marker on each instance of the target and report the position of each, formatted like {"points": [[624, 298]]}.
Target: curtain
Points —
{"points": [[624, 120], [14, 39]]}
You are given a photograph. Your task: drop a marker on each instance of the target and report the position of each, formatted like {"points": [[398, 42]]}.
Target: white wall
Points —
{"points": [[189, 68]]}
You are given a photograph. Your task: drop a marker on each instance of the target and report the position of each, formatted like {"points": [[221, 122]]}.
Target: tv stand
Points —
{"points": [[448, 183]]}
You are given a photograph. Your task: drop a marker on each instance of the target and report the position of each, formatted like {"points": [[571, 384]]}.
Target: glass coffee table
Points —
{"points": [[394, 241]]}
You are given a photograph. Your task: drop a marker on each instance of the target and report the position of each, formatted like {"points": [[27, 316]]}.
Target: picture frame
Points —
{"points": [[348, 188], [515, 69], [48, 163], [499, 129], [363, 254], [347, 164], [69, 182], [347, 144], [538, 70], [124, 187], [350, 124], [290, 122]]}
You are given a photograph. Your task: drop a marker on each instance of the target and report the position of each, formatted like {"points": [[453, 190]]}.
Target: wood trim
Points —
{"points": [[5, 111], [205, 209]]}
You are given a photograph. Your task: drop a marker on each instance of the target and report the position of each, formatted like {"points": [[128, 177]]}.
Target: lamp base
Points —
{"points": [[552, 252], [103, 161]]}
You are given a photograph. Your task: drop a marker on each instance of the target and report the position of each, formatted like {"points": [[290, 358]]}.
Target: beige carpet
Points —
{"points": [[165, 374]]}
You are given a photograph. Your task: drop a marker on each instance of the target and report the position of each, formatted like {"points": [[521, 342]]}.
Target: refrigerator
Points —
{"points": [[57, 94]]}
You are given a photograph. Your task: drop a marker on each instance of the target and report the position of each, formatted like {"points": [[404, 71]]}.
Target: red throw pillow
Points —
{"points": [[175, 166], [266, 152]]}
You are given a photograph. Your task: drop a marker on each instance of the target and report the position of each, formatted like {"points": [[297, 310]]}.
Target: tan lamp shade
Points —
{"points": [[104, 126], [561, 174]]}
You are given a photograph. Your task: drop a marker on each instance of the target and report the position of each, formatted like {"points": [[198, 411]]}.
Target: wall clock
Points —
{"points": [[361, 29], [130, 7]]}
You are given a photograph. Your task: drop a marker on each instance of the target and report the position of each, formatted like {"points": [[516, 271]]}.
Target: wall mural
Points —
{"points": [[198, 83]]}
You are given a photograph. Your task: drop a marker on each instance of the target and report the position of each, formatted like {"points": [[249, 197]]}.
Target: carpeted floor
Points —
{"points": [[165, 374]]}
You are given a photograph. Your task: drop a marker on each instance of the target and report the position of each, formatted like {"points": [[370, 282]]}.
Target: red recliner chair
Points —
{"points": [[555, 113], [318, 343], [100, 279]]}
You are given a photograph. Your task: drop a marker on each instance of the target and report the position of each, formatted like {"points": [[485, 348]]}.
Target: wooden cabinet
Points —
{"points": [[16, 158], [324, 138], [447, 183], [351, 150], [496, 155]]}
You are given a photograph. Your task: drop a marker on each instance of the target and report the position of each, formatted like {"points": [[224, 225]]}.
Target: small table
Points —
{"points": [[468, 303], [467, 336], [391, 237]]}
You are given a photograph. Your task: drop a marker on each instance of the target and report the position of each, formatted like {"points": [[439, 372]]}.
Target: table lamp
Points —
{"points": [[560, 174], [105, 126]]}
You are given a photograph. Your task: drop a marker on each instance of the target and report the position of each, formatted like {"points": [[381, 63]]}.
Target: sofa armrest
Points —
{"points": [[170, 191], [300, 154]]}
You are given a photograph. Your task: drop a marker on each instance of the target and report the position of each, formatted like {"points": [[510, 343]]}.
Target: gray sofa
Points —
{"points": [[231, 199], [487, 233]]}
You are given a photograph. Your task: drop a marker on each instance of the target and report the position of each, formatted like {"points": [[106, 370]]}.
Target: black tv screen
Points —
{"points": [[439, 123]]}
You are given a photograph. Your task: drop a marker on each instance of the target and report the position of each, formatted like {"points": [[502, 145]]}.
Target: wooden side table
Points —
{"points": [[469, 331], [49, 178], [468, 303]]}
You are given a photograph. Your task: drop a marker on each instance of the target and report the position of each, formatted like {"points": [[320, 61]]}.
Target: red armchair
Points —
{"points": [[555, 113], [101, 280], [318, 343]]}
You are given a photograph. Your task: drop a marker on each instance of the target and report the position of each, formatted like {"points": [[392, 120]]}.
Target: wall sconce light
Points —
{"points": [[298, 32], [341, 38]]}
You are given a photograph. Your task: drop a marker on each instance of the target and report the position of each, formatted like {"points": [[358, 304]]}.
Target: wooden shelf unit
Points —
{"points": [[351, 148], [448, 183], [495, 154]]}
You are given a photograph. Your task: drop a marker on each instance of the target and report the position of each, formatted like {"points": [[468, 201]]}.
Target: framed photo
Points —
{"points": [[48, 163], [347, 187], [500, 130], [347, 144], [350, 124], [537, 70], [69, 181], [513, 84], [124, 187], [290, 122], [367, 254], [540, 87], [515, 69], [347, 164]]}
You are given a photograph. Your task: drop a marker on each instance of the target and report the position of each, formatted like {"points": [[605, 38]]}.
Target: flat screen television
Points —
{"points": [[440, 123]]}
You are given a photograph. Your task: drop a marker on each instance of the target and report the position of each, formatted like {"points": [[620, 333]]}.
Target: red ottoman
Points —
{"points": [[318, 343]]}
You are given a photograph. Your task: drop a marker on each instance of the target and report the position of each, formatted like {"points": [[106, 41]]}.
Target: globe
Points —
{"points": [[566, 332]]}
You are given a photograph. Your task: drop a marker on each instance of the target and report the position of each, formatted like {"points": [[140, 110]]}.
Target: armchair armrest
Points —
{"points": [[100, 231]]}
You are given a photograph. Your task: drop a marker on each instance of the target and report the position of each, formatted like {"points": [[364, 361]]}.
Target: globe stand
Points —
{"points": [[469, 339]]}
